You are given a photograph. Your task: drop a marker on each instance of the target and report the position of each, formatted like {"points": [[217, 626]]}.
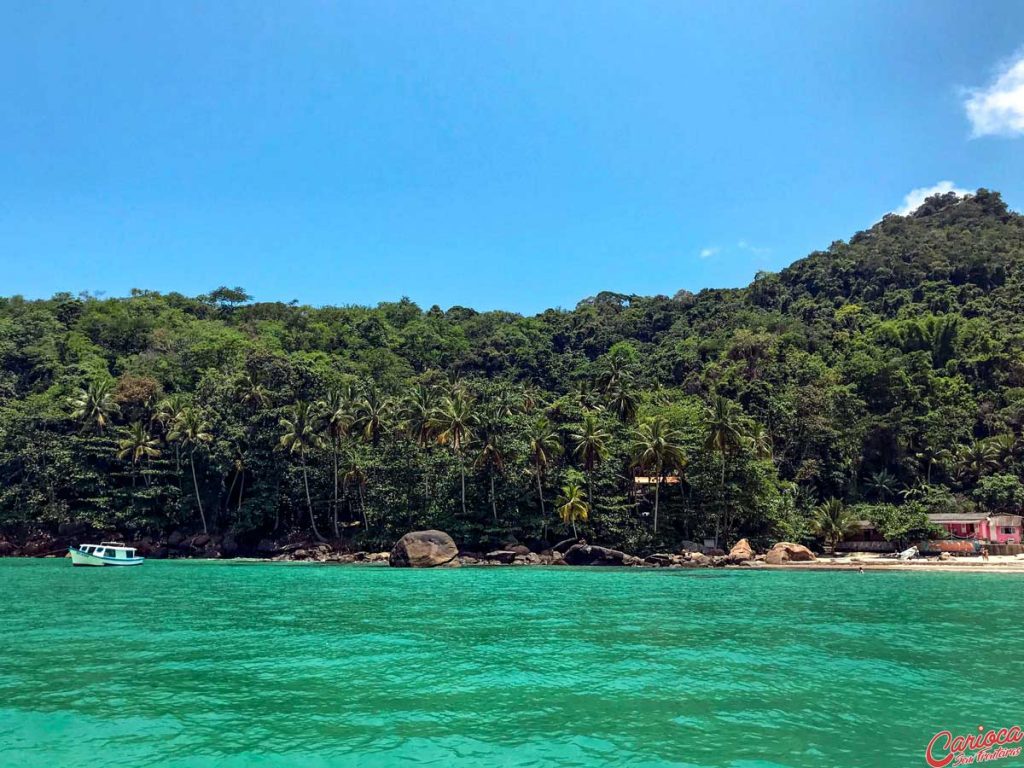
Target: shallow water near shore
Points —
{"points": [[234, 664]]}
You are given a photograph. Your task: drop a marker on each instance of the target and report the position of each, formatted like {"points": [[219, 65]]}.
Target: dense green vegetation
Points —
{"points": [[886, 373]]}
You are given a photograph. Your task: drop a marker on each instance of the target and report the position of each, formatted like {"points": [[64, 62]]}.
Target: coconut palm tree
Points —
{"points": [[591, 441], [418, 413], [928, 456], [299, 437], [726, 433], [833, 522], [657, 448], [191, 430], [95, 406], [544, 445], [622, 401], [167, 412], [977, 459], [137, 444], [252, 392], [453, 423], [883, 483], [759, 440], [356, 475], [373, 415], [572, 506], [1007, 448], [337, 421], [491, 454]]}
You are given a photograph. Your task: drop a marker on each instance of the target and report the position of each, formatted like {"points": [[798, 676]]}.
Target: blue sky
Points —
{"points": [[495, 155]]}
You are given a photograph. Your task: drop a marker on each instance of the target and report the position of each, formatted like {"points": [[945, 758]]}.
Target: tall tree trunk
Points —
{"points": [[540, 495], [309, 501], [362, 508], [657, 491], [334, 511], [494, 500], [241, 492], [195, 484], [462, 478]]}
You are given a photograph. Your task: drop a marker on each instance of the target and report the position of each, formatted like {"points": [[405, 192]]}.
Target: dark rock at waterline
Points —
{"points": [[229, 546], [424, 549], [504, 556], [175, 538], [589, 554], [7, 548], [565, 545]]}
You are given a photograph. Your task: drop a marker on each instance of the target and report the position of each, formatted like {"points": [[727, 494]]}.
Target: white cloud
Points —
{"points": [[998, 110], [915, 197], [707, 253]]}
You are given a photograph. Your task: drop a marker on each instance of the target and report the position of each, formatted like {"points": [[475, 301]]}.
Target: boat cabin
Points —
{"points": [[108, 549]]}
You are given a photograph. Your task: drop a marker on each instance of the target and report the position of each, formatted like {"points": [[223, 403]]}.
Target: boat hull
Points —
{"points": [[84, 558]]}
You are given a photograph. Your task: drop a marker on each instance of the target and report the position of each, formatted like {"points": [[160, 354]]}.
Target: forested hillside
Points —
{"points": [[886, 372]]}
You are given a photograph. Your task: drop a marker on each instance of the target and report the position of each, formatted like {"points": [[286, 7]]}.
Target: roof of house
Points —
{"points": [[959, 517]]}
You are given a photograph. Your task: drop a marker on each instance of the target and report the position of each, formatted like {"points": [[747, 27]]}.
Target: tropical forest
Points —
{"points": [[879, 379]]}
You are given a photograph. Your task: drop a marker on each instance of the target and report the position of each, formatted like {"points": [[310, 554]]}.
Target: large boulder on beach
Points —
{"points": [[741, 552], [424, 549], [788, 552], [589, 554]]}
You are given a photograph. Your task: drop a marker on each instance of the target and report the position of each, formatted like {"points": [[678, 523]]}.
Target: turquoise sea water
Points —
{"points": [[237, 664]]}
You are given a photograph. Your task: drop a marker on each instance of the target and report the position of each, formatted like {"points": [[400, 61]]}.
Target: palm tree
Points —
{"points": [[491, 455], [167, 412], [191, 430], [759, 440], [1007, 448], [591, 441], [420, 408], [338, 420], [544, 445], [356, 475], [725, 436], [252, 392], [833, 522], [883, 483], [299, 437], [622, 401], [95, 405], [136, 445], [928, 456], [572, 507], [453, 423], [418, 411], [976, 459], [656, 447], [373, 415]]}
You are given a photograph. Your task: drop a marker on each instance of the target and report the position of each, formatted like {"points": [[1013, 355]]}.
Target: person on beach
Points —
{"points": [[984, 554]]}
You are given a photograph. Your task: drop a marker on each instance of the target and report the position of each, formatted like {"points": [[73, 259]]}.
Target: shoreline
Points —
{"points": [[967, 565]]}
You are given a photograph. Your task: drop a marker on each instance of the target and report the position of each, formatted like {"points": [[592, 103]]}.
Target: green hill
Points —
{"points": [[887, 371]]}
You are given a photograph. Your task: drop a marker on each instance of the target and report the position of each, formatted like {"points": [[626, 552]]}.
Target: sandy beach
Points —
{"points": [[873, 562]]}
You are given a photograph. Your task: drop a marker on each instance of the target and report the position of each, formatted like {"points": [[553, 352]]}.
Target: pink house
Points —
{"points": [[980, 526]]}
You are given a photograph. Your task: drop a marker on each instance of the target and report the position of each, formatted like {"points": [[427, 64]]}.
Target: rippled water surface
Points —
{"points": [[235, 664]]}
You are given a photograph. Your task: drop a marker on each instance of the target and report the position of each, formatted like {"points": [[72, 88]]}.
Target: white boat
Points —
{"points": [[105, 553]]}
